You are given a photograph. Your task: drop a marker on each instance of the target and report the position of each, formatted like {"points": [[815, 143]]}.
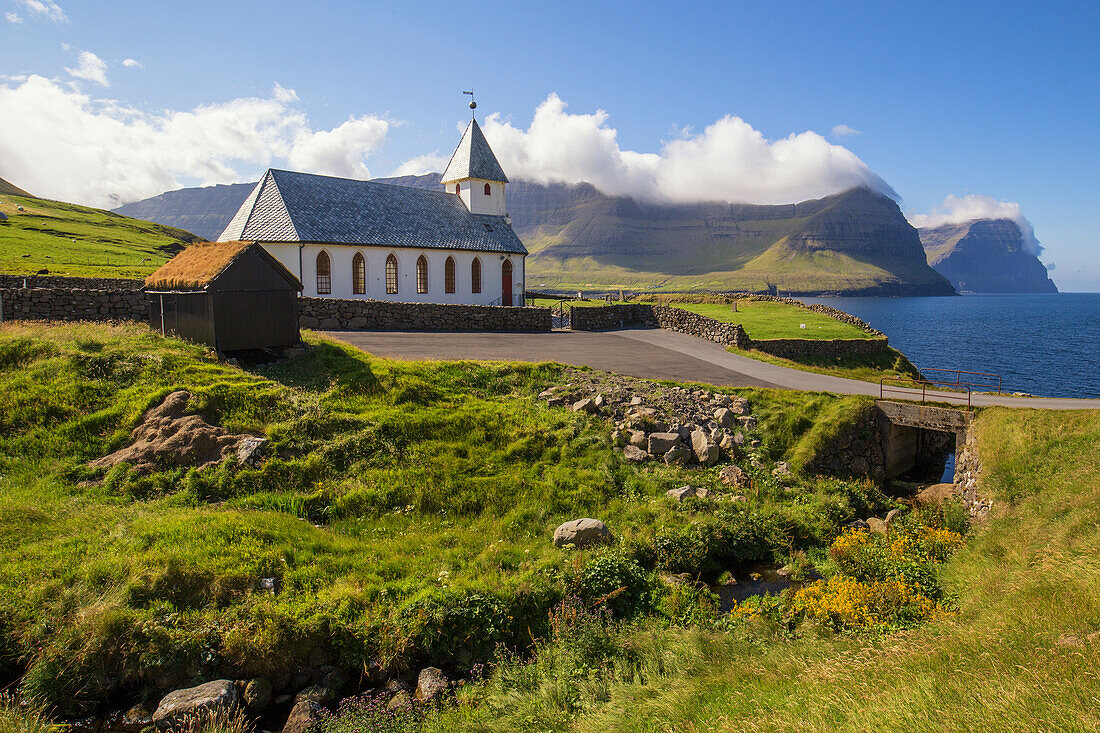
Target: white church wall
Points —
{"points": [[472, 193], [341, 257]]}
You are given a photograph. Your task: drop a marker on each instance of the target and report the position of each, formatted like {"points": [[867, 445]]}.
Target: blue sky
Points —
{"points": [[997, 100]]}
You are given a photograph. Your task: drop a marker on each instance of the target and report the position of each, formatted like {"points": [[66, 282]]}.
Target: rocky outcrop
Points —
{"points": [[986, 256], [195, 705]]}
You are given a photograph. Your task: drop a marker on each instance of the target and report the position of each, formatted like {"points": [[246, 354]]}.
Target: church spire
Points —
{"points": [[474, 173]]}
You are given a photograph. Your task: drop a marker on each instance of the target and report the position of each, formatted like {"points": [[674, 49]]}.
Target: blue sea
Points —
{"points": [[1046, 345]]}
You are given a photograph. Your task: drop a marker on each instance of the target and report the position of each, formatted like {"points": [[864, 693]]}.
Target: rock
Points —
{"points": [[739, 438], [586, 405], [257, 694], [938, 493], [401, 700], [636, 454], [677, 455], [740, 406], [661, 443], [733, 476], [686, 492], [725, 417], [183, 707], [638, 438], [858, 524], [431, 683], [635, 401], [705, 451], [782, 471], [547, 393], [303, 716], [315, 693], [249, 451], [137, 717], [599, 401], [619, 438], [747, 422], [581, 533], [876, 525], [891, 516], [739, 499], [555, 402]]}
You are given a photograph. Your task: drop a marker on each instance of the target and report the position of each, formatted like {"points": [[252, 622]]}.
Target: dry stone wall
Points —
{"points": [[73, 304], [333, 314], [63, 281], [799, 349], [601, 318]]}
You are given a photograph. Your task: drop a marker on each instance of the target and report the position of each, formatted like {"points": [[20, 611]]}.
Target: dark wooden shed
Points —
{"points": [[233, 296]]}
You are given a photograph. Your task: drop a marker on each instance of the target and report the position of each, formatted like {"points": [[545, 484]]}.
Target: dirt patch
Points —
{"points": [[168, 438]]}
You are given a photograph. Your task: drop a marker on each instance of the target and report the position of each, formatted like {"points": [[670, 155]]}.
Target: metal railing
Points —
{"points": [[994, 380], [561, 315], [929, 390]]}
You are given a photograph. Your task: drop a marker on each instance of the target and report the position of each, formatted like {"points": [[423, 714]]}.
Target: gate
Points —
{"points": [[561, 315]]}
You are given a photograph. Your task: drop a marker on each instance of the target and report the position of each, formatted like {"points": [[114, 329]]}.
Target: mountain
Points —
{"points": [[855, 242], [985, 256], [8, 189], [204, 211]]}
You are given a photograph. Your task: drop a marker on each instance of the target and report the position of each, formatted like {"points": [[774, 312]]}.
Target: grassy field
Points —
{"points": [[406, 513], [67, 239], [763, 319], [1021, 652], [863, 367]]}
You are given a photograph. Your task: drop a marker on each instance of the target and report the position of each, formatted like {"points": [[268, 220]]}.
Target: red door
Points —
{"points": [[506, 282]]}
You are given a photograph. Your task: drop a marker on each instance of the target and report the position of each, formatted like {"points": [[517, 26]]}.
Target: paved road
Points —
{"points": [[647, 353]]}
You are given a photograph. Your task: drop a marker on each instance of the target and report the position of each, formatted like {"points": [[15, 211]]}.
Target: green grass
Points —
{"points": [[769, 320], [1021, 653], [406, 511], [547, 302], [867, 368], [67, 239]]}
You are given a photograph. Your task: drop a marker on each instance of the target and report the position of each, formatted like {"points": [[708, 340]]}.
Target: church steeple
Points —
{"points": [[474, 173]]}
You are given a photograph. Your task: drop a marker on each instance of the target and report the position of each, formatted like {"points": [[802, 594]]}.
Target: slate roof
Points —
{"points": [[200, 264], [473, 158], [303, 207]]}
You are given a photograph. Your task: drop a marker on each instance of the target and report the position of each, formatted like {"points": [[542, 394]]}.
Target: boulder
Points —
{"points": [[636, 454], [249, 451], [256, 694], [431, 683], [638, 438], [586, 405], [938, 493], [619, 438], [677, 455], [725, 417], [303, 716], [581, 533], [686, 492], [661, 443], [315, 693], [891, 516], [858, 524], [401, 700], [876, 525], [705, 451], [183, 707], [599, 401], [733, 477]]}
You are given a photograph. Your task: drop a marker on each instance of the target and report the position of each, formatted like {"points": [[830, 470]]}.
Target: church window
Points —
{"points": [[422, 274], [324, 273], [475, 276], [488, 191], [391, 275], [359, 274], [449, 274]]}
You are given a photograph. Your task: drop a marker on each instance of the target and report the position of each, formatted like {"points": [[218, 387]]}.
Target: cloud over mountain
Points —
{"points": [[728, 161], [962, 209], [62, 143]]}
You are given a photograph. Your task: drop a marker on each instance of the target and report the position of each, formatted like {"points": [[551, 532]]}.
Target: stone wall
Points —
{"points": [[62, 281], [73, 304], [601, 318], [374, 315], [857, 450], [802, 349]]}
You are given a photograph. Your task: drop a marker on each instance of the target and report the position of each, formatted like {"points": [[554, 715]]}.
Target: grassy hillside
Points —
{"points": [[67, 239], [9, 189], [1021, 653], [405, 510]]}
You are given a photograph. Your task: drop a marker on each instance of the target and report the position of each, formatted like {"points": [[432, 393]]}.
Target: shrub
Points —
{"points": [[689, 604], [846, 604], [369, 714], [614, 580]]}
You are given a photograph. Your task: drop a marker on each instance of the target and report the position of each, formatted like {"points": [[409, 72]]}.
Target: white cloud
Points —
{"points": [[65, 144], [13, 17], [46, 9], [91, 68], [727, 161], [282, 94], [963, 209], [421, 164], [841, 131], [132, 64]]}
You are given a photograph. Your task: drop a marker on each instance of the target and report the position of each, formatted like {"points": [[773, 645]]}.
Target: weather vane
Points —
{"points": [[473, 104]]}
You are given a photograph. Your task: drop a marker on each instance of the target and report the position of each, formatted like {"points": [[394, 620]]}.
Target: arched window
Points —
{"points": [[475, 276], [458, 188], [488, 191], [422, 274], [449, 274], [359, 274], [324, 273], [391, 275]]}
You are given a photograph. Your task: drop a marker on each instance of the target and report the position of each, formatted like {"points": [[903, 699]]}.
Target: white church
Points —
{"points": [[346, 238]]}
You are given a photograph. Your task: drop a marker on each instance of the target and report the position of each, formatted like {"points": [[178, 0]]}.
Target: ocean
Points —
{"points": [[1046, 345]]}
